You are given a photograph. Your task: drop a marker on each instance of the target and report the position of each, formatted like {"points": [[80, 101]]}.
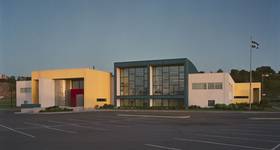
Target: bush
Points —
{"points": [[221, 106], [265, 103], [107, 106], [194, 107], [56, 109], [233, 107]]}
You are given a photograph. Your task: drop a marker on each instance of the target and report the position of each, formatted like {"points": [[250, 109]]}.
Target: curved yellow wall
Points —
{"points": [[96, 83]]}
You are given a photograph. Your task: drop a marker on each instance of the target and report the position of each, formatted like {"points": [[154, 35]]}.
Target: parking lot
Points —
{"points": [[140, 130]]}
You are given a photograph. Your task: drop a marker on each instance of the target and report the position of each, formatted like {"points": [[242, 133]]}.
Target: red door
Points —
{"points": [[74, 93]]}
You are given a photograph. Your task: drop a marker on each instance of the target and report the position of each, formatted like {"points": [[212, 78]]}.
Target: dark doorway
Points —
{"points": [[256, 95]]}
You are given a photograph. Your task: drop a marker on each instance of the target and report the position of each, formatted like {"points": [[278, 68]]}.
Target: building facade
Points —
{"points": [[242, 94], [23, 93], [154, 83], [208, 89], [83, 87]]}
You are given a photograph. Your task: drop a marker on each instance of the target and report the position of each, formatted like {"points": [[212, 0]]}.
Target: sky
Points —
{"points": [[213, 34]]}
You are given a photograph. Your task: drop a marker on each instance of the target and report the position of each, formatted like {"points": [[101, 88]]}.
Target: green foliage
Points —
{"points": [[221, 106], [153, 107], [194, 107], [56, 109], [107, 106]]}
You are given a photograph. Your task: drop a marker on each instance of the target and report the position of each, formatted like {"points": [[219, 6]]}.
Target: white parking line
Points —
{"points": [[237, 138], [77, 125], [49, 127], [154, 116], [256, 118], [96, 123], [267, 135], [161, 147], [79, 120], [274, 148], [16, 131], [27, 128], [217, 143]]}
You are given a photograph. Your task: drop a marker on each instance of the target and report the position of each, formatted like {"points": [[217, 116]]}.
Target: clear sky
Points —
{"points": [[213, 34]]}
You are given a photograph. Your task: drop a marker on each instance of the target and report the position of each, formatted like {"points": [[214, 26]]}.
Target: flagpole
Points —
{"points": [[250, 87]]}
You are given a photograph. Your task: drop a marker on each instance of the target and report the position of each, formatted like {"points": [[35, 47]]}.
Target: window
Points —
{"points": [[25, 90], [134, 103], [241, 97], [175, 103], [168, 80], [77, 84], [211, 102], [101, 100], [218, 85], [133, 81], [214, 85], [199, 86], [211, 85]]}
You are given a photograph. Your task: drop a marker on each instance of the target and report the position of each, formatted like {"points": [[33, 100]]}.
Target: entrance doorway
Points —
{"points": [[256, 95], [77, 97]]}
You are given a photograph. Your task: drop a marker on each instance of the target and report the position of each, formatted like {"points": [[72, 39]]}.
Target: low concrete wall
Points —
{"points": [[31, 110]]}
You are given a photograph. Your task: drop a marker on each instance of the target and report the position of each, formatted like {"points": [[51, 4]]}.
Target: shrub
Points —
{"points": [[233, 107], [56, 109], [221, 106], [265, 103], [194, 107], [107, 106]]}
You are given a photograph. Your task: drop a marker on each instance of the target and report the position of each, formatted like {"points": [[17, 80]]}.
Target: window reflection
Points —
{"points": [[168, 80]]}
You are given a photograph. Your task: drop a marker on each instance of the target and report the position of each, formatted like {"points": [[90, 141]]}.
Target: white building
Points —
{"points": [[208, 89], [23, 93]]}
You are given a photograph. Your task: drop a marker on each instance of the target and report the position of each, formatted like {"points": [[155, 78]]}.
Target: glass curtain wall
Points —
{"points": [[168, 80], [141, 103], [133, 81]]}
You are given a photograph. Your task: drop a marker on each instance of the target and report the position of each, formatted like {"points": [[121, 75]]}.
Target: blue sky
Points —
{"points": [[213, 34]]}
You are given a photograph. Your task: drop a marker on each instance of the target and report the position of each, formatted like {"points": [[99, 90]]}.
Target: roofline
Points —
{"points": [[151, 62], [68, 69]]}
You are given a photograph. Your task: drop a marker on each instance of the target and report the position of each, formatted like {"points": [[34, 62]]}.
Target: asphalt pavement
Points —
{"points": [[140, 131]]}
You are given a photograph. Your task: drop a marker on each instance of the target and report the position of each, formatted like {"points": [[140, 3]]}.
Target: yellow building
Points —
{"points": [[84, 87], [242, 94]]}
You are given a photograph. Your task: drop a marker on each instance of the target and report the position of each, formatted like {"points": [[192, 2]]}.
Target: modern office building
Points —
{"points": [[23, 93], [208, 89], [83, 87], [152, 83], [173, 83]]}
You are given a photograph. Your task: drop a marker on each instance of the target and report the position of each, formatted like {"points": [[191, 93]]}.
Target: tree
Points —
{"points": [[265, 70], [220, 71]]}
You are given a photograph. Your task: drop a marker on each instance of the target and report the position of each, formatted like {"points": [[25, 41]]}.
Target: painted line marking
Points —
{"points": [[256, 118], [237, 138], [267, 135], [217, 143], [79, 120], [27, 128], [16, 131], [49, 127], [249, 131], [155, 116], [161, 147], [96, 123], [274, 148], [77, 125]]}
